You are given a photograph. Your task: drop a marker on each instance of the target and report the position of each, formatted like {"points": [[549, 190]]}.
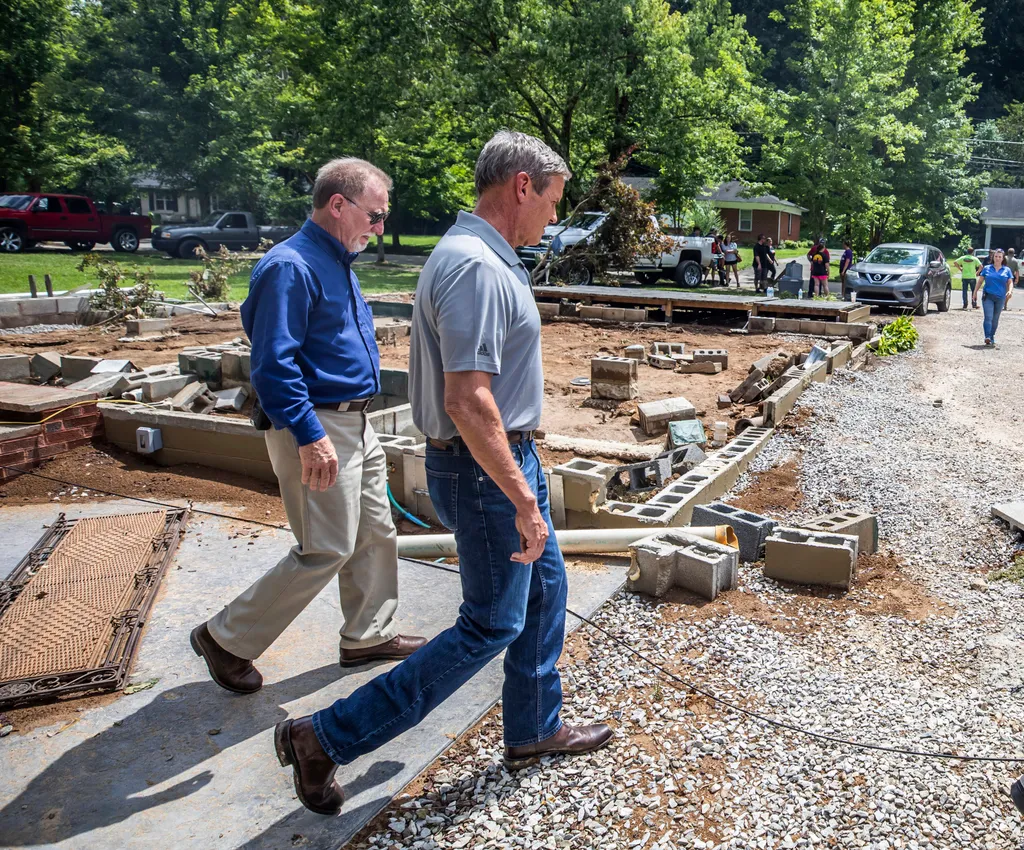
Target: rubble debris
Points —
{"points": [[685, 368], [185, 398], [655, 416], [724, 401], [614, 378], [660, 361], [230, 399], [45, 365], [673, 558]]}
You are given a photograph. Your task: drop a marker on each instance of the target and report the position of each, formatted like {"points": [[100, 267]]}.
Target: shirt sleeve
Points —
{"points": [[473, 314], [279, 301]]}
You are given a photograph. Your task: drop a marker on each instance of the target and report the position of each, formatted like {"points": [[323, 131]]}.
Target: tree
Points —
{"points": [[994, 59]]}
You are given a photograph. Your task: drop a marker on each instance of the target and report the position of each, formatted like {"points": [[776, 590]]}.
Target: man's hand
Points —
{"points": [[533, 534], [319, 464]]}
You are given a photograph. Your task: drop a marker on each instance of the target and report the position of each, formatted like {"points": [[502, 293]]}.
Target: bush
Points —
{"points": [[789, 243], [897, 336], [113, 294], [212, 281]]}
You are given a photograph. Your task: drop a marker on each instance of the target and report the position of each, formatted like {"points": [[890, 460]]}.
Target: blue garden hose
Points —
{"points": [[404, 512]]}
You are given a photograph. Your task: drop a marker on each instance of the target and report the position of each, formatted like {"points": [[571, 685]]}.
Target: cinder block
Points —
{"points": [[861, 332], [655, 416], [818, 372], [645, 475], [789, 326], [614, 378], [556, 499], [547, 311], [589, 311], [45, 365], [681, 495], [585, 483], [862, 525], [109, 367], [101, 384], [812, 327], [416, 496], [629, 515], [634, 314], [746, 385], [661, 361], [155, 389], [777, 405], [810, 557], [711, 355], [724, 402], [186, 396], [613, 314], [636, 352], [137, 327], [231, 365], [73, 368], [15, 367], [751, 529], [668, 349], [208, 368], [839, 355], [674, 558], [837, 329], [760, 325], [40, 307], [698, 368], [230, 399]]}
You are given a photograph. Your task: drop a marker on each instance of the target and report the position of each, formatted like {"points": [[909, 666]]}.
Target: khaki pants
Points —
{"points": [[346, 531]]}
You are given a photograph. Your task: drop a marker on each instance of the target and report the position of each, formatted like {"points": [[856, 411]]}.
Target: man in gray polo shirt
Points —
{"points": [[476, 386]]}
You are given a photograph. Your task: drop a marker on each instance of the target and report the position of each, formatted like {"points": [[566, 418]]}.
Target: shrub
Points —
{"points": [[789, 243], [120, 291], [212, 280], [897, 336]]}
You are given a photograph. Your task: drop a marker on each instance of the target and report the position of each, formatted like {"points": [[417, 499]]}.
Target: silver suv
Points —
{"points": [[901, 274]]}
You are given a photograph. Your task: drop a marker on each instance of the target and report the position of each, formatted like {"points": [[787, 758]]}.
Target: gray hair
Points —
{"points": [[345, 176], [509, 152]]}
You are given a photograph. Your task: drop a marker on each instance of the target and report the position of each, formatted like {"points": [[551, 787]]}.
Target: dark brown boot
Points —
{"points": [[569, 740], [297, 745], [229, 671], [399, 647]]}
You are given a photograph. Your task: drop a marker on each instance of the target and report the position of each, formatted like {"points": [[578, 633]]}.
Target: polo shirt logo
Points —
{"points": [[482, 350]]}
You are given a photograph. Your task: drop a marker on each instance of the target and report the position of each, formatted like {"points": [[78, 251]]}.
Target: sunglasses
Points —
{"points": [[375, 217]]}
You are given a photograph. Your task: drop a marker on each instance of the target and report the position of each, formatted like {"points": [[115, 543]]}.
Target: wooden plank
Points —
{"points": [[859, 313], [660, 298]]}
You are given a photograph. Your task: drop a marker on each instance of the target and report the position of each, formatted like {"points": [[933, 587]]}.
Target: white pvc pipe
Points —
{"points": [[583, 541]]}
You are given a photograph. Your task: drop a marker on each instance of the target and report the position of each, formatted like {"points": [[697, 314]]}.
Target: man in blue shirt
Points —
{"points": [[315, 369]]}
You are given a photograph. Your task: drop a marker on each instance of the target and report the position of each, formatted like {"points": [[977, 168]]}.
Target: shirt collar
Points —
{"points": [[315, 232], [485, 230]]}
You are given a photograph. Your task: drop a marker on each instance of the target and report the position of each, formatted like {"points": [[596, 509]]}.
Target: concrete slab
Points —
{"points": [[1011, 513], [189, 760], [26, 398]]}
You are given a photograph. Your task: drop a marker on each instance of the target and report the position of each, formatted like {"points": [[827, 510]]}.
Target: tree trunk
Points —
{"points": [[381, 260]]}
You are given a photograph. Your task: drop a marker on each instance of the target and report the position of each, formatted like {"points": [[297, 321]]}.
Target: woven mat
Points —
{"points": [[62, 621]]}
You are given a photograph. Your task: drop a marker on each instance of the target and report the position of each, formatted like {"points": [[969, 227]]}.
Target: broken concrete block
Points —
{"points": [[684, 458], [630, 515], [777, 405], [711, 355], [668, 349], [208, 368], [230, 399], [102, 384], [547, 311], [45, 365], [724, 402], [660, 361], [636, 352], [655, 416], [810, 557], [234, 365], [760, 325], [556, 499], [112, 367], [15, 367], [862, 525], [698, 368], [185, 398], [614, 378], [75, 368], [862, 332], [585, 483], [187, 359], [645, 475], [132, 395], [136, 327], [674, 558], [155, 389], [740, 392], [751, 529]]}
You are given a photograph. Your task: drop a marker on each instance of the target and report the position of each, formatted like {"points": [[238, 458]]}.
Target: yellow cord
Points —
{"points": [[78, 404]]}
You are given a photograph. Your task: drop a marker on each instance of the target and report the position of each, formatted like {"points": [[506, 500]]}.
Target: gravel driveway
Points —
{"points": [[924, 653]]}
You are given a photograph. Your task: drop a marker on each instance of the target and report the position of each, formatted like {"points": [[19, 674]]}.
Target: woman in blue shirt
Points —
{"points": [[995, 283]]}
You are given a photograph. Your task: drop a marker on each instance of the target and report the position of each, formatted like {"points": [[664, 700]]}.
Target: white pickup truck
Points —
{"points": [[685, 263]]}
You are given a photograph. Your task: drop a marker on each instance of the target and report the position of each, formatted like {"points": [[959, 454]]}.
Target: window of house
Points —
{"points": [[163, 202], [789, 223], [746, 219], [78, 206]]}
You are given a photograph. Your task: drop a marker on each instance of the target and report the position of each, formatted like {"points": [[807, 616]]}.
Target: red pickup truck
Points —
{"points": [[30, 217]]}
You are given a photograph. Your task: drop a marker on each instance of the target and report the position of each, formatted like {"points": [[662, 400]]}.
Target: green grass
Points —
{"points": [[169, 276], [421, 245], [1015, 572]]}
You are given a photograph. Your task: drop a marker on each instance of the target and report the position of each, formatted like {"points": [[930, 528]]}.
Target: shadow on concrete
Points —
{"points": [[107, 778]]}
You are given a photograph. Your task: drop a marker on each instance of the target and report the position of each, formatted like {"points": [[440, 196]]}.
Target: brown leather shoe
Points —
{"points": [[398, 647], [229, 671], [569, 740], [312, 769]]}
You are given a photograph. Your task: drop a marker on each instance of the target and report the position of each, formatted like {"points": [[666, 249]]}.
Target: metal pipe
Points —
{"points": [[583, 541]]}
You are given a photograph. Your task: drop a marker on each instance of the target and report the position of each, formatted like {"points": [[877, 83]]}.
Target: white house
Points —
{"points": [[171, 204]]}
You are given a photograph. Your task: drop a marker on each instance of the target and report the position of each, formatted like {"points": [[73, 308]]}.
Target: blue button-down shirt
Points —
{"points": [[311, 331]]}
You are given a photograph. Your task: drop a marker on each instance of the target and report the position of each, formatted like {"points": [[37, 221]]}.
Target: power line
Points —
{"points": [[683, 683]]}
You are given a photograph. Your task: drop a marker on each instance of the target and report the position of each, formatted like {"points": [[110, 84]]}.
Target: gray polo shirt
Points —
{"points": [[475, 312]]}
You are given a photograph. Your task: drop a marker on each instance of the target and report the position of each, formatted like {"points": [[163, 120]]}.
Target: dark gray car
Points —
{"points": [[901, 274]]}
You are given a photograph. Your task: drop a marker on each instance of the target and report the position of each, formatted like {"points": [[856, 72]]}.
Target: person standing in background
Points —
{"points": [[995, 285], [760, 263], [820, 259], [1014, 265], [732, 258], [969, 266], [845, 261], [773, 268]]}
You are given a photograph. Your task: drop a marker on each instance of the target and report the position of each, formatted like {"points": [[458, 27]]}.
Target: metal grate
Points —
{"points": [[71, 613]]}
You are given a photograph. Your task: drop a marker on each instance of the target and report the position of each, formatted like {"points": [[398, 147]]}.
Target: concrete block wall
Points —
{"points": [[584, 483], [27, 445], [15, 367], [20, 311]]}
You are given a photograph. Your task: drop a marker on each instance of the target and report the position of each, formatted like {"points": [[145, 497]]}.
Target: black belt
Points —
{"points": [[346, 406], [514, 439]]}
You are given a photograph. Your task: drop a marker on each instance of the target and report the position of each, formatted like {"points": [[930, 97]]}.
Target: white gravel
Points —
{"points": [[683, 773], [38, 329]]}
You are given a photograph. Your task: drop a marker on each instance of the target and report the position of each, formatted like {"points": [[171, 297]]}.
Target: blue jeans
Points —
{"points": [[516, 607], [992, 305]]}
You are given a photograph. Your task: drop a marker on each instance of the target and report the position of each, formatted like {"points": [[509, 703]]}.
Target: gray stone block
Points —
{"points": [[711, 355], [45, 365], [810, 557], [208, 368], [102, 384], [136, 327], [751, 529], [187, 395], [155, 389], [230, 399], [74, 368], [674, 558], [861, 524], [761, 325], [15, 367], [660, 361], [655, 416]]}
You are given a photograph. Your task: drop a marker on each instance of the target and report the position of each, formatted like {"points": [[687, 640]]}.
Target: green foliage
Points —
{"points": [[114, 281], [212, 281], [705, 215], [1014, 572], [897, 336], [790, 244]]}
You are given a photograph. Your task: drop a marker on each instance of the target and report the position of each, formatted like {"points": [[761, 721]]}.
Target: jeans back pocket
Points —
{"points": [[444, 495]]}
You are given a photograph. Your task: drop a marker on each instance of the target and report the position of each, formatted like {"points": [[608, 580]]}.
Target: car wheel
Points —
{"points": [[580, 275], [187, 249], [11, 240], [944, 303], [647, 278], [688, 273], [126, 241], [81, 246], [922, 308]]}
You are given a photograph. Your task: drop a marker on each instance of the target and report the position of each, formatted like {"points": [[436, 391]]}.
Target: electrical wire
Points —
{"points": [[79, 404], [668, 674]]}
